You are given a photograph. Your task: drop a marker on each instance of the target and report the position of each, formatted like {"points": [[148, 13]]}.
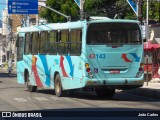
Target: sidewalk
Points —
{"points": [[4, 70], [152, 90]]}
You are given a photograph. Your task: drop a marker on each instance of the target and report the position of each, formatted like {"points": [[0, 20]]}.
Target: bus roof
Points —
{"points": [[106, 19], [71, 25], [52, 26]]}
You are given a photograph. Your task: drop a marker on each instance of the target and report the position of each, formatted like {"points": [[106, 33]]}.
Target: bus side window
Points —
{"points": [[27, 43], [63, 45], [52, 43], [43, 42], [20, 49], [17, 41], [35, 43], [75, 42]]}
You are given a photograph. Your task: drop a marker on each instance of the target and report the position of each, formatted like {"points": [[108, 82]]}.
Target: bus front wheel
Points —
{"points": [[105, 92], [58, 86], [30, 87]]}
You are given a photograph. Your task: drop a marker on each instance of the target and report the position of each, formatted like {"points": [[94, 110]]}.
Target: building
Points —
{"points": [[10, 25]]}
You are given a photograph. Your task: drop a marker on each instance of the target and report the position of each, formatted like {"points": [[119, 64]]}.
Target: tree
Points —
{"points": [[67, 7], [95, 7], [129, 14], [107, 8], [153, 10]]}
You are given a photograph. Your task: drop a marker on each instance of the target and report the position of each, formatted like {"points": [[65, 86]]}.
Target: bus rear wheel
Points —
{"points": [[101, 92], [58, 86], [30, 87]]}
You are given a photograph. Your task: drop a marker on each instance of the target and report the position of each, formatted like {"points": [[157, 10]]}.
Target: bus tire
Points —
{"points": [[30, 87], [105, 92], [58, 86]]}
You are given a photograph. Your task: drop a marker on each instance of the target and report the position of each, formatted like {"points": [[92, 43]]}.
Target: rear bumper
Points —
{"points": [[114, 81]]}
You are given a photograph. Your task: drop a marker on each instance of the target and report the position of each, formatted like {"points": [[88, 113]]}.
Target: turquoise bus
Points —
{"points": [[99, 53]]}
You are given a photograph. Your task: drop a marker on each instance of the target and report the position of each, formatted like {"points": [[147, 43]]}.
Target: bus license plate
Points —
{"points": [[114, 71]]}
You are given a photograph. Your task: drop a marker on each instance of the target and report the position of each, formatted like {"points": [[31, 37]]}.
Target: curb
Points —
{"points": [[155, 81]]}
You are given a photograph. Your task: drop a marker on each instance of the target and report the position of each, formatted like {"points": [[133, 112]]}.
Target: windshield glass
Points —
{"points": [[113, 33]]}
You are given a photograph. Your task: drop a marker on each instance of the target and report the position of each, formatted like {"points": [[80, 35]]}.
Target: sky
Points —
{"points": [[2, 6]]}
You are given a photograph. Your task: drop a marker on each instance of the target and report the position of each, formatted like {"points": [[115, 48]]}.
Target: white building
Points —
{"points": [[5, 22]]}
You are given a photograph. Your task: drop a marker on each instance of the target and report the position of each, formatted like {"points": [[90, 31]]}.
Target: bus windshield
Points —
{"points": [[113, 33]]}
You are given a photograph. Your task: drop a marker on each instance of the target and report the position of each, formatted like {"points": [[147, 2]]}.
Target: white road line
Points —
{"points": [[69, 100], [29, 98], [21, 99], [55, 98], [41, 98]]}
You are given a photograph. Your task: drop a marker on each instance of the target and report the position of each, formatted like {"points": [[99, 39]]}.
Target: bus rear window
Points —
{"points": [[113, 33]]}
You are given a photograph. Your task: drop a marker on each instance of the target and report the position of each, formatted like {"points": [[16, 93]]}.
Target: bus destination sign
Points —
{"points": [[22, 6]]}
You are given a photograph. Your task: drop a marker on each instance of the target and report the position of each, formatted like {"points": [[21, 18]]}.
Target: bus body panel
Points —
{"points": [[20, 73], [42, 68], [104, 60], [126, 60]]}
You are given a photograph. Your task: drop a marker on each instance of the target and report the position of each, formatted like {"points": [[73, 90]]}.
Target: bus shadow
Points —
{"points": [[7, 75], [91, 95]]}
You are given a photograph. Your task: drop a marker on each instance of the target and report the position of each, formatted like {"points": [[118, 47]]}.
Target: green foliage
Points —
{"points": [[96, 8], [153, 9], [92, 6], [70, 8], [67, 7], [127, 12]]}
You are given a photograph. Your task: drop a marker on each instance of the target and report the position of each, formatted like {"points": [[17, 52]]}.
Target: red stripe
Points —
{"points": [[38, 81]]}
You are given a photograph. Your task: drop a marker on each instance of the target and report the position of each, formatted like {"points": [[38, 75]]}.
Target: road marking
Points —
{"points": [[21, 99], [69, 100], [55, 98], [40, 98], [29, 98]]}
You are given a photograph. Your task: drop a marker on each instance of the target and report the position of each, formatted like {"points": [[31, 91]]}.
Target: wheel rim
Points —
{"points": [[28, 81], [58, 86]]}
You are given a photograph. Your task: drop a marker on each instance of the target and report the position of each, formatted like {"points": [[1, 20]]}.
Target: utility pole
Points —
{"points": [[147, 8], [139, 3], [159, 11], [82, 8], [147, 37], [10, 36]]}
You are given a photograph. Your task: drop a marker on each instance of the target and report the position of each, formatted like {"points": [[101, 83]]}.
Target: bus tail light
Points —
{"points": [[88, 70], [140, 70], [141, 67]]}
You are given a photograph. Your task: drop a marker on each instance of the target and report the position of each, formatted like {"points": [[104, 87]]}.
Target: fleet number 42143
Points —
{"points": [[97, 56]]}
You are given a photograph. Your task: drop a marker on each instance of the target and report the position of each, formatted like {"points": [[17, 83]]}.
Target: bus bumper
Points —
{"points": [[119, 82]]}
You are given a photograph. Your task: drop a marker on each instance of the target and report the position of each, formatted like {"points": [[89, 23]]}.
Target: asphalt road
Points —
{"points": [[15, 97]]}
